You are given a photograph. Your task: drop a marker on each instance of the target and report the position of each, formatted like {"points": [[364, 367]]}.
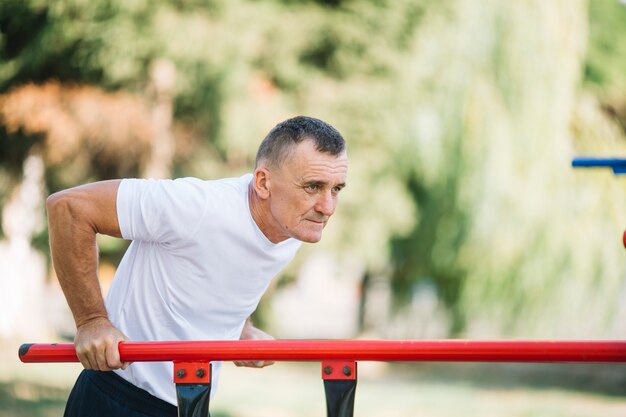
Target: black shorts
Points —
{"points": [[105, 394]]}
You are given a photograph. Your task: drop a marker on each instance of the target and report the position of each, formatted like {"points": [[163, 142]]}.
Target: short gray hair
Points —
{"points": [[280, 142]]}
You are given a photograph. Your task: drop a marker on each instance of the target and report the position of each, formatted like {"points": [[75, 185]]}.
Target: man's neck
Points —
{"points": [[260, 214]]}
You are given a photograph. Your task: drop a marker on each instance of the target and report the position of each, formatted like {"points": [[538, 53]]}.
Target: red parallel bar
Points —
{"points": [[349, 350]]}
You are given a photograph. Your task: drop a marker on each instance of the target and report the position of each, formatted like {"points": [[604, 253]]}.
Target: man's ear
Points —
{"points": [[261, 182]]}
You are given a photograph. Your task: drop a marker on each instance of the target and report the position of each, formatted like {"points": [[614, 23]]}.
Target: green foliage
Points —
{"points": [[605, 66], [501, 170]]}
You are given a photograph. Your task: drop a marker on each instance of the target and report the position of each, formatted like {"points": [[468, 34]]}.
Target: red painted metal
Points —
{"points": [[339, 370], [350, 350], [192, 372]]}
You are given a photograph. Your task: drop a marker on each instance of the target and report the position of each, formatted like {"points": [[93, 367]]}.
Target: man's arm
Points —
{"points": [[75, 216], [250, 332]]}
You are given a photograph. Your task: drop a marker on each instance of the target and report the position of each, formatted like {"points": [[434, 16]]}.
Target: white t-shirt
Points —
{"points": [[196, 269]]}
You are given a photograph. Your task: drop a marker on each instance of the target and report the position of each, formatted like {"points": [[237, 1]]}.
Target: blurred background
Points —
{"points": [[462, 216]]}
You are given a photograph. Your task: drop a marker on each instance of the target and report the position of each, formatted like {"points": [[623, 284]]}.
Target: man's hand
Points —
{"points": [[250, 332], [96, 345]]}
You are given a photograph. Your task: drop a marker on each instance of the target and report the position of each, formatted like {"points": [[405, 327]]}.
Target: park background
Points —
{"points": [[462, 216]]}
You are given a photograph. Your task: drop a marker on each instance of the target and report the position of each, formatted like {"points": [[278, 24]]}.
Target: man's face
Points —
{"points": [[304, 192]]}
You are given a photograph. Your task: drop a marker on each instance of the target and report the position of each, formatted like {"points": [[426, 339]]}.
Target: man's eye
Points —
{"points": [[312, 187]]}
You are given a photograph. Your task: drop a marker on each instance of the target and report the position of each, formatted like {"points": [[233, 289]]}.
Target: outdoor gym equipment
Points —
{"points": [[618, 165], [192, 359]]}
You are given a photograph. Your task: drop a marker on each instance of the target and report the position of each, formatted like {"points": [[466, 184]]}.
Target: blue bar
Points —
{"points": [[618, 165]]}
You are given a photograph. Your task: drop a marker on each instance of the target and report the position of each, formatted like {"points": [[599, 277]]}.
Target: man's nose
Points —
{"points": [[326, 204]]}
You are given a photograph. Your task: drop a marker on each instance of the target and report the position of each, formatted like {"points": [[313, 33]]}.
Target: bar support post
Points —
{"points": [[193, 388], [340, 387]]}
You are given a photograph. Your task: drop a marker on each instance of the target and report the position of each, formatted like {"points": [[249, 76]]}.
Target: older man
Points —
{"points": [[202, 255]]}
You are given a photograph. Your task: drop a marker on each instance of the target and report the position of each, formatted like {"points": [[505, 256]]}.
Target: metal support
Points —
{"points": [[340, 387], [193, 388]]}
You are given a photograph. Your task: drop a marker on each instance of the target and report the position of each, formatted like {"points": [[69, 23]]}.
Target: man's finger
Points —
{"points": [[113, 356], [84, 360], [101, 359], [84, 357], [253, 364]]}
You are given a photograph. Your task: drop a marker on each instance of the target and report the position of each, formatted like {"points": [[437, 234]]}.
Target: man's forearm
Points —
{"points": [[75, 258]]}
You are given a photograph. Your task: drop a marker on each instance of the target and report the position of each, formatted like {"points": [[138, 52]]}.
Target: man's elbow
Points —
{"points": [[53, 202], [60, 205]]}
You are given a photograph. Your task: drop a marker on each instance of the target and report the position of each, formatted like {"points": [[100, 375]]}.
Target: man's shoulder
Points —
{"points": [[221, 189], [183, 184], [234, 183], [229, 194]]}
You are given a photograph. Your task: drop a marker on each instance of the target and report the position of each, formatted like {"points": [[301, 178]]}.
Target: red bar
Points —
{"points": [[349, 350]]}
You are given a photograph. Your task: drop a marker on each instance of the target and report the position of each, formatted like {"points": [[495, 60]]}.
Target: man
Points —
{"points": [[202, 255]]}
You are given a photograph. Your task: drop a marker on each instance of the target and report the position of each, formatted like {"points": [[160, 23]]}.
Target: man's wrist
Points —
{"points": [[91, 319]]}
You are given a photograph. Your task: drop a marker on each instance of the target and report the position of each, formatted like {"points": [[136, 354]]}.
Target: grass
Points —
{"points": [[27, 399]]}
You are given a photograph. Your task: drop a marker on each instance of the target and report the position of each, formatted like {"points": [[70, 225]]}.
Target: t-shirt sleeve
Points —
{"points": [[163, 211]]}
